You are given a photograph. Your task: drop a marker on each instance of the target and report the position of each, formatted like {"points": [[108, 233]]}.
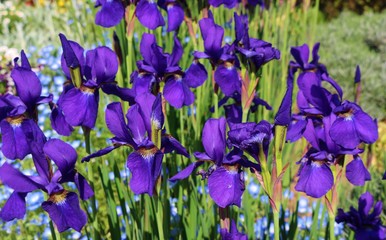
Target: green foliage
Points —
{"points": [[352, 40]]}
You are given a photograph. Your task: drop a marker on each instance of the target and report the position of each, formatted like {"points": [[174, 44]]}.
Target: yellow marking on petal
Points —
{"points": [[228, 65], [59, 197], [87, 89], [232, 168], [147, 153], [15, 121]]}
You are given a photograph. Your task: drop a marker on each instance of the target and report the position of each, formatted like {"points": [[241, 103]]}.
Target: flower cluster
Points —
{"points": [[333, 127], [22, 136]]}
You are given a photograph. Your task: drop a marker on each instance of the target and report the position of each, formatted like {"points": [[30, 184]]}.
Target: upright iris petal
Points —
{"points": [[175, 15]]}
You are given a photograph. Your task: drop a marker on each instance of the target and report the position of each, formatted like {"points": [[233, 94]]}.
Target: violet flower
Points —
{"points": [[18, 114], [145, 163], [225, 176], [366, 225], [256, 52], [78, 103], [157, 67], [222, 58], [61, 205]]}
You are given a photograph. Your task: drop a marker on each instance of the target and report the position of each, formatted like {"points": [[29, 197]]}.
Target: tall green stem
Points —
{"points": [[331, 224], [276, 223]]}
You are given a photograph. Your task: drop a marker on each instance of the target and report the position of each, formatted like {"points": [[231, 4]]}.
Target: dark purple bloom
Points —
{"points": [[353, 126], [79, 102], [225, 176], [160, 67], [366, 225], [62, 206], [250, 136], [310, 80], [110, 14], [257, 52], [357, 77], [233, 234], [18, 114], [145, 163]]}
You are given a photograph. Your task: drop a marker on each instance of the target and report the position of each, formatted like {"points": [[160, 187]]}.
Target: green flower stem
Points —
{"points": [[331, 224], [276, 222]]}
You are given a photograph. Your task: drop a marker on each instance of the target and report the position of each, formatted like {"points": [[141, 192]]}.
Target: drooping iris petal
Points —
{"points": [[186, 172], [296, 129], [177, 93], [101, 65], [27, 83], [63, 154], [142, 82], [17, 180], [226, 186], [85, 190], [175, 16], [80, 107], [15, 207], [195, 75], [213, 139], [59, 123], [315, 179], [126, 94], [14, 141], [64, 210], [136, 124], [170, 144], [366, 127], [145, 167], [148, 14], [227, 78], [110, 14], [356, 172]]}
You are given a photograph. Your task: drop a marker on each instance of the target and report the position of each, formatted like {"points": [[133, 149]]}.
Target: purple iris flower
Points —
{"points": [[147, 12], [18, 114], [353, 126], [145, 163], [222, 58], [233, 234], [61, 205], [225, 176], [250, 136], [315, 176], [257, 52], [78, 103], [311, 77], [157, 67], [366, 225]]}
